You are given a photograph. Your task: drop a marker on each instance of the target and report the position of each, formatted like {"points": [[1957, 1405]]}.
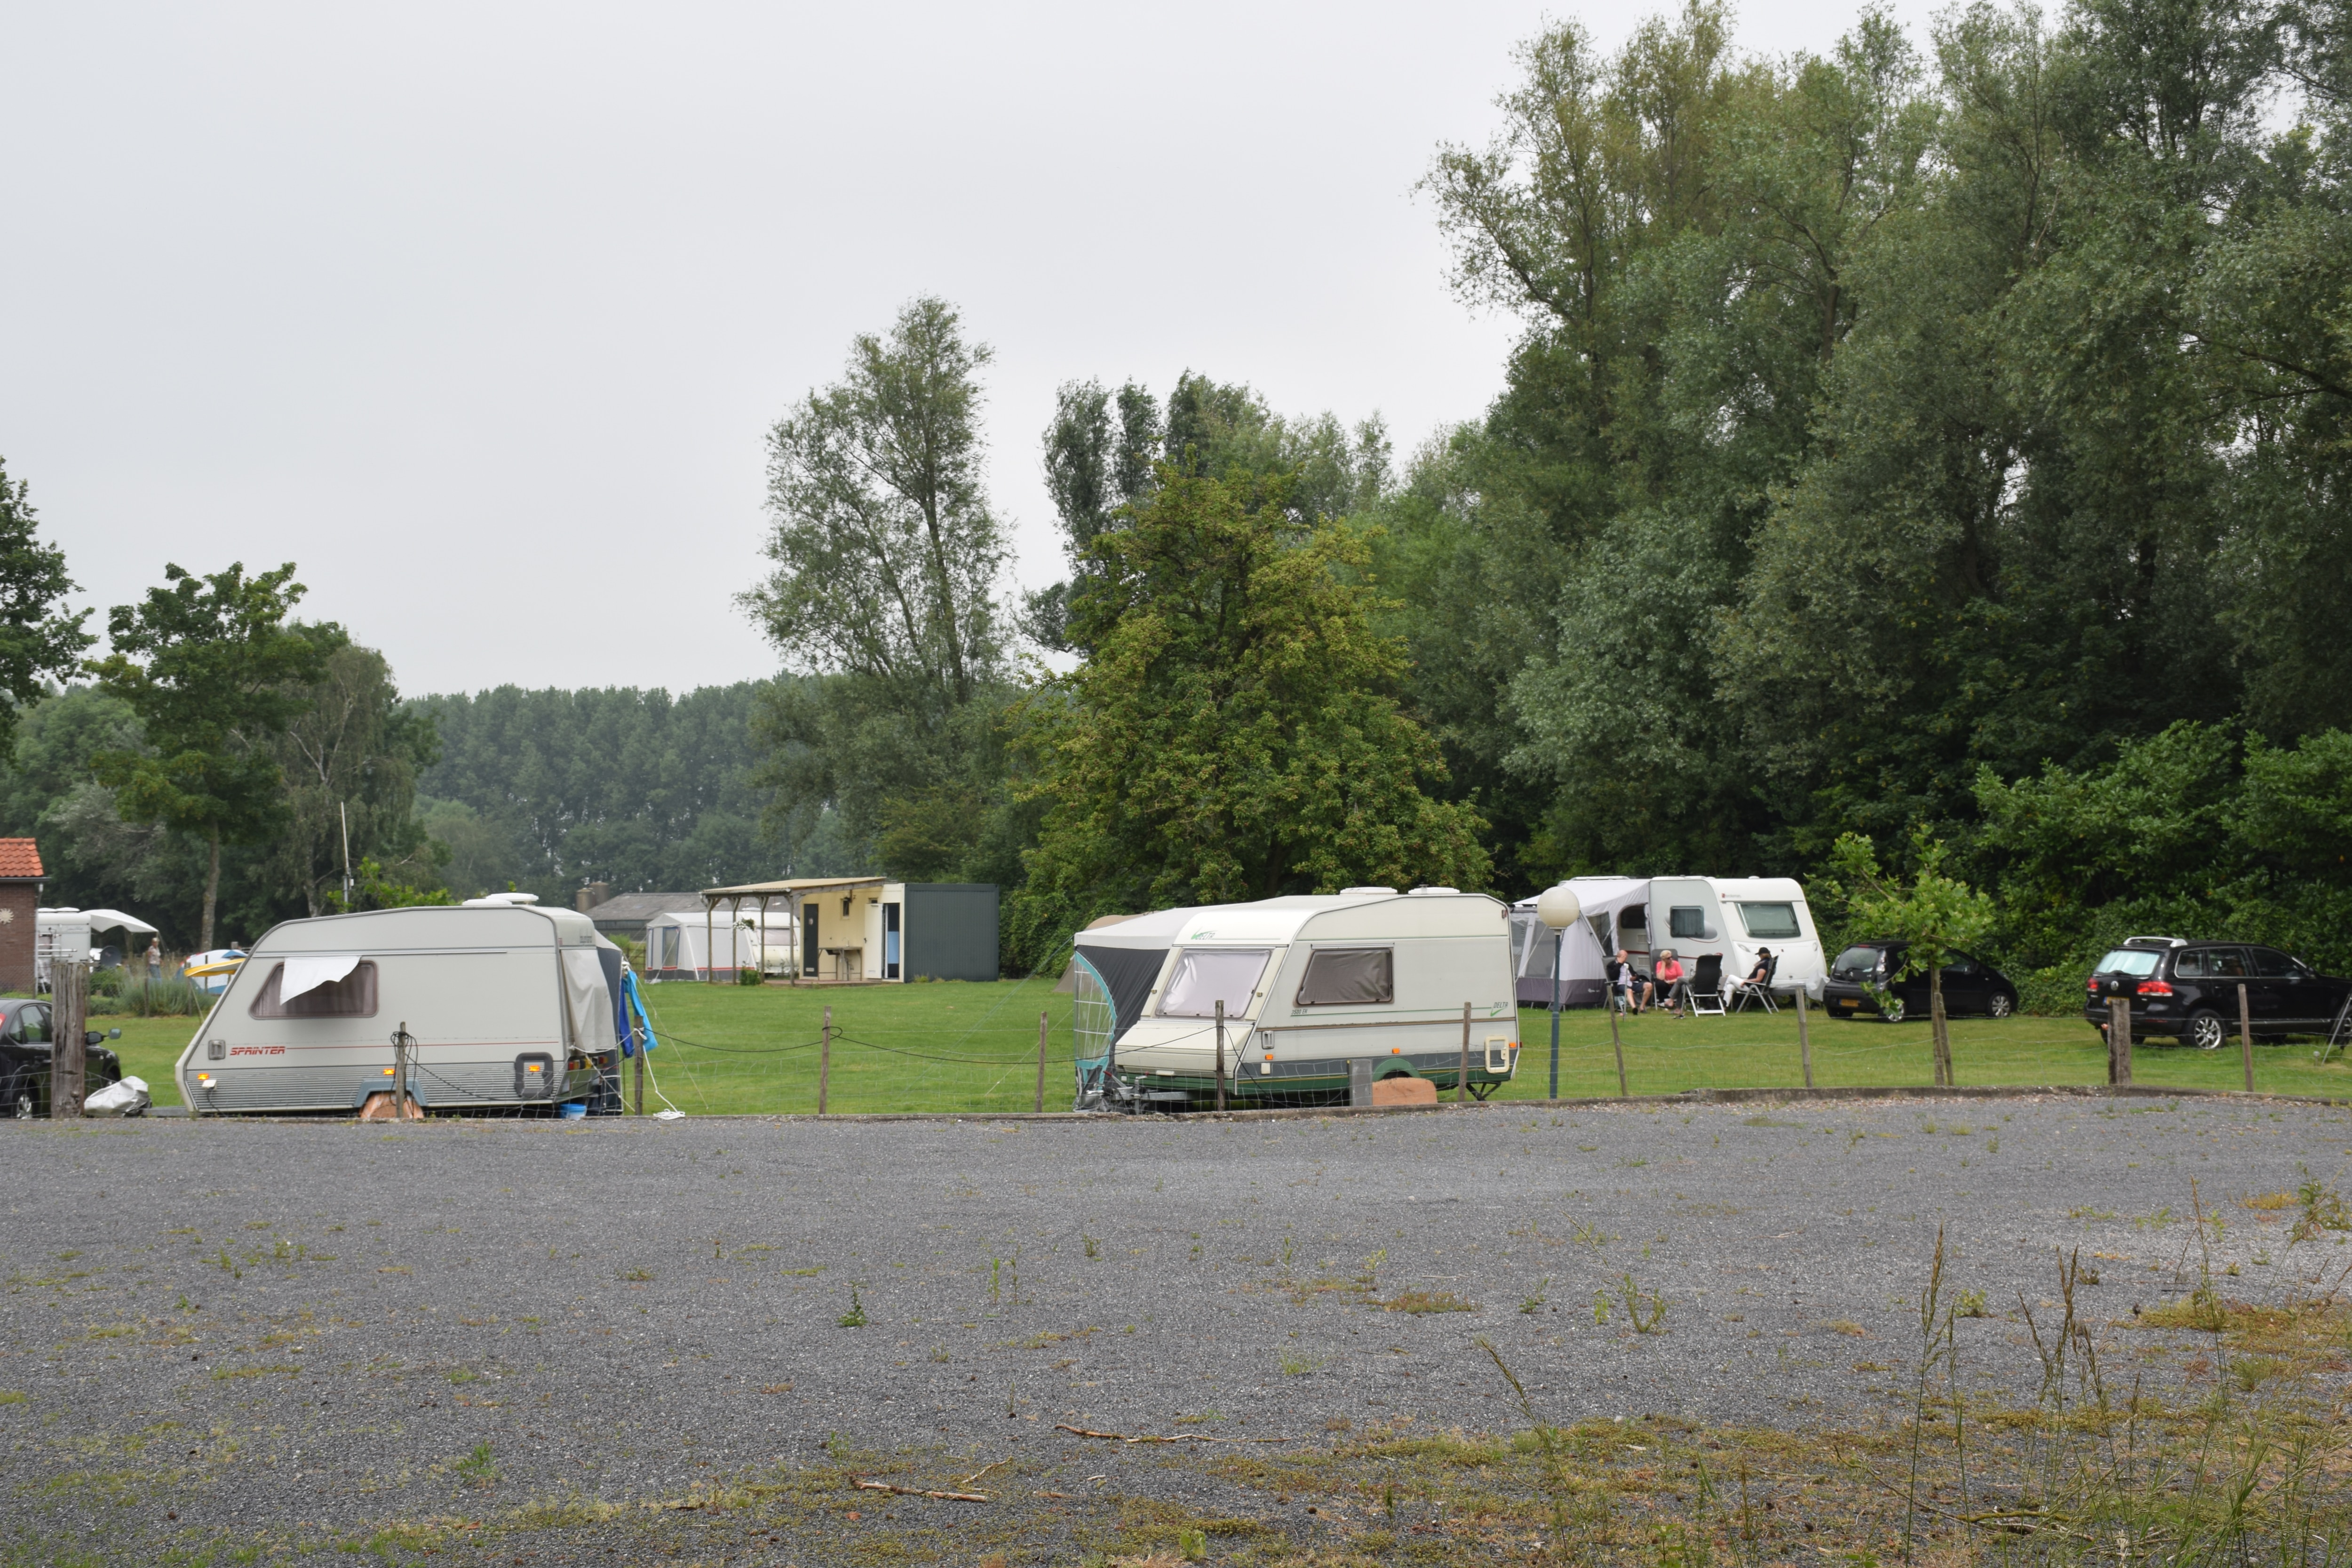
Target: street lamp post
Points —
{"points": [[1560, 908]]}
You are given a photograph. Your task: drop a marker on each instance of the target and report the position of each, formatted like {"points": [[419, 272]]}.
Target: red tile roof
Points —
{"points": [[19, 858]]}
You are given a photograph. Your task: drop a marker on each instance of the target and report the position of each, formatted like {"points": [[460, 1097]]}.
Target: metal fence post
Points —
{"points": [[1559, 946], [1041, 1061], [824, 1061]]}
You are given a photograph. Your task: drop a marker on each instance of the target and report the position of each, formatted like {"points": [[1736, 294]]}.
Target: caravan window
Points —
{"points": [[1688, 921], [1340, 976], [1775, 920], [1206, 975], [352, 996]]}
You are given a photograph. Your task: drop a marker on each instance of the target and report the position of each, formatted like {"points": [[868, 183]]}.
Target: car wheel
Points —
{"points": [[2206, 1031], [1890, 1011], [2002, 1006], [24, 1108]]}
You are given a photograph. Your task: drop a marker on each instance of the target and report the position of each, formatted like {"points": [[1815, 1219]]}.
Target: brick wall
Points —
{"points": [[17, 901]]}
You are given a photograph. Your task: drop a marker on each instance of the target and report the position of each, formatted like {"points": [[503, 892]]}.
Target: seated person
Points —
{"points": [[1633, 990], [1756, 979], [1671, 987]]}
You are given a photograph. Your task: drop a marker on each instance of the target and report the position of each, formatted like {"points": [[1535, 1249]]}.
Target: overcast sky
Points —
{"points": [[479, 312]]}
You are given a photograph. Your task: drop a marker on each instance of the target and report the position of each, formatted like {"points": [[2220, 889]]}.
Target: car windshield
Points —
{"points": [[1856, 963], [2129, 960]]}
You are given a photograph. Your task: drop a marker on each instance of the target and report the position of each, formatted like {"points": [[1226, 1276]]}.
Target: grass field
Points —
{"points": [[974, 1047]]}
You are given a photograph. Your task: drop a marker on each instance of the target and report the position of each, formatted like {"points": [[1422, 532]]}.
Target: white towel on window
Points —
{"points": [[313, 970]]}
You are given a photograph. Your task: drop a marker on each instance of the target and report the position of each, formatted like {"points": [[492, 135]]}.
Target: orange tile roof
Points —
{"points": [[19, 858]]}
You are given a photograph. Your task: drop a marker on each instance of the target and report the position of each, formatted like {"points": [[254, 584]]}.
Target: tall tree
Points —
{"points": [[1233, 733], [39, 641], [887, 561], [215, 674], [351, 756]]}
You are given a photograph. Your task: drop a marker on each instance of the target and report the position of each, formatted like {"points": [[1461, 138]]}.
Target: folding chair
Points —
{"points": [[1706, 983], [1748, 990]]}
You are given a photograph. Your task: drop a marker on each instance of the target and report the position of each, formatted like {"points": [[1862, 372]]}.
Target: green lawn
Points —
{"points": [[974, 1047]]}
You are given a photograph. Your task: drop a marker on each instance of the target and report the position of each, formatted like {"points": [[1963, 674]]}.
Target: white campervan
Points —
{"points": [[1311, 986], [1733, 917], [506, 1006]]}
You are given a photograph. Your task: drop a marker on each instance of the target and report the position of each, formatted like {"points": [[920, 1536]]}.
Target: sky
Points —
{"points": [[479, 313]]}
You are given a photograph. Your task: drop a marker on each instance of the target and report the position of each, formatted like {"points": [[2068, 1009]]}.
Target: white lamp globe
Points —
{"points": [[1558, 907]]}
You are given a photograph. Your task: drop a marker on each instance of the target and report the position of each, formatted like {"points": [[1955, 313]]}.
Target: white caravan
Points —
{"points": [[1312, 986], [1731, 917], [507, 1005]]}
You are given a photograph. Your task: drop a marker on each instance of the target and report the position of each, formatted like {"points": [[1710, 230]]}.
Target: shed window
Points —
{"points": [[1206, 975], [1774, 920], [1343, 976], [352, 996]]}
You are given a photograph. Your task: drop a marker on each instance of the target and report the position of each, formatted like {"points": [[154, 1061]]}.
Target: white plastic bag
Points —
{"points": [[127, 1097]]}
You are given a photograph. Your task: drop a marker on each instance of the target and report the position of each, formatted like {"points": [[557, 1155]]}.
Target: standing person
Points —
{"points": [[155, 960], [1669, 987]]}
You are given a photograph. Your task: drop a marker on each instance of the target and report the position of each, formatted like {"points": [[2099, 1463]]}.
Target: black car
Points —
{"points": [[25, 1043], [1858, 979], [2189, 990]]}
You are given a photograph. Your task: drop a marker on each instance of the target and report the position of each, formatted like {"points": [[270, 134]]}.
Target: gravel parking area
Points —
{"points": [[263, 1326]]}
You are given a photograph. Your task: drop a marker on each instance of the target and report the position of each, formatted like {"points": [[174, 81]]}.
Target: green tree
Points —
{"points": [[1234, 733], [351, 756], [215, 675], [887, 560], [39, 641], [1936, 914]]}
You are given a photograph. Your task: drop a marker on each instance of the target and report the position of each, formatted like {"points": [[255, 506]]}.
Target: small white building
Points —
{"points": [[846, 930]]}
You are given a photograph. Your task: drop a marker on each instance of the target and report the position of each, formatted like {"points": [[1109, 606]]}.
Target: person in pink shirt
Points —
{"points": [[1668, 973]]}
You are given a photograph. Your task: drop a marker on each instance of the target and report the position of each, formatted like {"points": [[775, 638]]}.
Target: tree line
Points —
{"points": [[1935, 449]]}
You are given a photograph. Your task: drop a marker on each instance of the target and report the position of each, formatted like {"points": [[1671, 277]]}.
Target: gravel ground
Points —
{"points": [[252, 1325]]}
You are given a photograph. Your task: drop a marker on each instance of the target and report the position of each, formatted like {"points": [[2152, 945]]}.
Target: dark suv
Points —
{"points": [[2189, 989], [25, 1044], [1858, 978]]}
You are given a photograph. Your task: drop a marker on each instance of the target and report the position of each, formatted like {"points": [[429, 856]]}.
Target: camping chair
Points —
{"points": [[1748, 990], [1706, 983]]}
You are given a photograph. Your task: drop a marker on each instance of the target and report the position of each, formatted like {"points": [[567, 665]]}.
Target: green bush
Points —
{"points": [[171, 998]]}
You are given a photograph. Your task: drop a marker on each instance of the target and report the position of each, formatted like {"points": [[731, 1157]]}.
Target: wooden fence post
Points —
{"points": [[2246, 1036], [2119, 1040], [824, 1061], [1220, 1053], [1804, 1039], [68, 1022], [1610, 1003], [1461, 1078], [1041, 1061]]}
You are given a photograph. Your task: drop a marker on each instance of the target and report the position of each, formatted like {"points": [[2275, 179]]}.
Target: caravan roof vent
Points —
{"points": [[1433, 891], [1354, 892], [501, 902]]}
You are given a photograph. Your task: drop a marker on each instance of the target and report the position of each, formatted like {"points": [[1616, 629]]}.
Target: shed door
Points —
{"points": [[810, 952], [889, 941]]}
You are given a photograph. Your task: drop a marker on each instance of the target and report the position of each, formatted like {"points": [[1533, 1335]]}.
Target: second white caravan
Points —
{"points": [[1734, 918]]}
